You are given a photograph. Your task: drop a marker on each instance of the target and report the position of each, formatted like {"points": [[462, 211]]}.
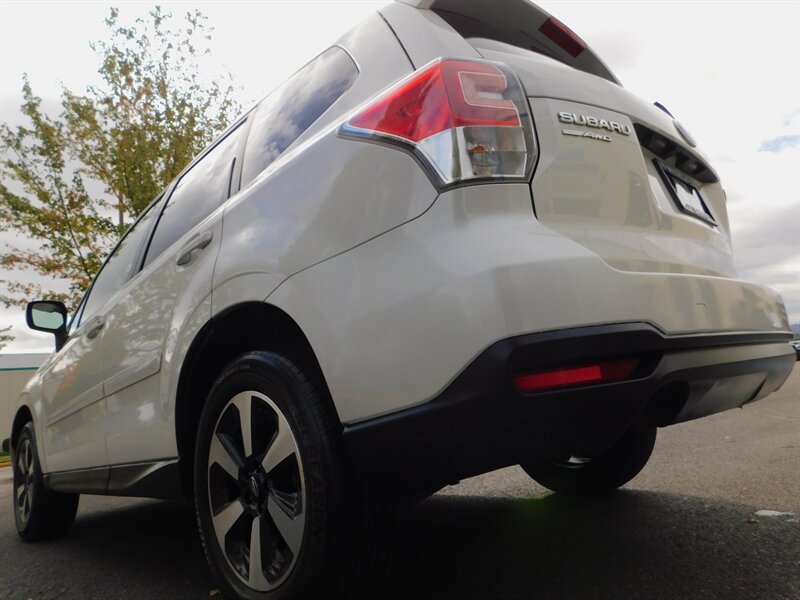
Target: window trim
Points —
{"points": [[235, 184], [133, 270], [139, 262], [303, 135], [242, 121], [164, 197]]}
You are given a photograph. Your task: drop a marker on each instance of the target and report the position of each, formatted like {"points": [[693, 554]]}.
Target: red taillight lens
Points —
{"points": [[481, 100], [415, 110], [597, 373], [466, 119]]}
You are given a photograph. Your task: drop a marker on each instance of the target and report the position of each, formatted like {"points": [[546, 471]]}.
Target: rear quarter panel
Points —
{"points": [[325, 194]]}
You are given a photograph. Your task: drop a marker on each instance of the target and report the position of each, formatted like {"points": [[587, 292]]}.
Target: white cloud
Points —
{"points": [[26, 340]]}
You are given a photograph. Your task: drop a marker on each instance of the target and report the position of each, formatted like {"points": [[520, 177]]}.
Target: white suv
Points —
{"points": [[450, 243]]}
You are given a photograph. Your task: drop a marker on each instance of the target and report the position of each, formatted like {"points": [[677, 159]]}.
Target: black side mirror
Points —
{"points": [[49, 316]]}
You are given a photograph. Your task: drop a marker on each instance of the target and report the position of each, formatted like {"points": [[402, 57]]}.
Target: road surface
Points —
{"points": [[687, 527]]}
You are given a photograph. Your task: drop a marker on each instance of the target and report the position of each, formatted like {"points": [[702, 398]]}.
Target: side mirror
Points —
{"points": [[49, 316]]}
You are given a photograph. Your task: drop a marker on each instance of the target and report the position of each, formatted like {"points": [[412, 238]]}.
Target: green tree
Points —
{"points": [[5, 337], [45, 201], [155, 112], [129, 136]]}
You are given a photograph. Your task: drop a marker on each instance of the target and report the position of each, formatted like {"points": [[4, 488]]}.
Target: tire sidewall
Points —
{"points": [[26, 530], [278, 379]]}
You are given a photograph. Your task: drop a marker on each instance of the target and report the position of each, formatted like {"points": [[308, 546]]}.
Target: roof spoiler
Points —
{"points": [[519, 23]]}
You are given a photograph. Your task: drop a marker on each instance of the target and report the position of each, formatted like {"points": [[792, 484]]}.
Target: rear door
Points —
{"points": [[172, 290]]}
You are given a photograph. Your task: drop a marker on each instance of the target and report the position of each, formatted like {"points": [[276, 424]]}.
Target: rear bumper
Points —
{"points": [[480, 422]]}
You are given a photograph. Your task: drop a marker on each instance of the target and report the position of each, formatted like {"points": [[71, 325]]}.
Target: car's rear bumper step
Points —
{"points": [[481, 422]]}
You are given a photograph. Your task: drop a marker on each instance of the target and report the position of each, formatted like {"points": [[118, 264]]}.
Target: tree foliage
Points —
{"points": [[51, 208], [155, 111], [5, 337], [70, 184]]}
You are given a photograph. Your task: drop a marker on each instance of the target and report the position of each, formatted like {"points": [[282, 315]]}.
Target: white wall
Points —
{"points": [[15, 371]]}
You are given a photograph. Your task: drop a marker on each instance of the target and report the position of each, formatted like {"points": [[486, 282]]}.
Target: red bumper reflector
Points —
{"points": [[596, 373]]}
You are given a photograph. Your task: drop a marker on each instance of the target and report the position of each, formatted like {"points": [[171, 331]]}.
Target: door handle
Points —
{"points": [[198, 242], [94, 327]]}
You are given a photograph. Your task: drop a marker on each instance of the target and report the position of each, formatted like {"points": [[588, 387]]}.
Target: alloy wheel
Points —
{"points": [[23, 482], [256, 490]]}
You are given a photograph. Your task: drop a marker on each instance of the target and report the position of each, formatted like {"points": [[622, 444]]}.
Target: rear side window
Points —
{"points": [[293, 107], [198, 193]]}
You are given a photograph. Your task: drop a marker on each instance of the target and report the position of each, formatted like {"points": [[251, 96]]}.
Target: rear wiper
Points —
{"points": [[664, 108]]}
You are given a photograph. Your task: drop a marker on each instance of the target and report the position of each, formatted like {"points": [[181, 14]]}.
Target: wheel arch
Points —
{"points": [[237, 330], [23, 416]]}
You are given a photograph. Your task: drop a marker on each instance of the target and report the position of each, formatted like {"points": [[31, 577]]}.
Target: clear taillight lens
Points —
{"points": [[465, 120]]}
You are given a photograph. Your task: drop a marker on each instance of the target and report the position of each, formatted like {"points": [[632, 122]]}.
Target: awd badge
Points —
{"points": [[587, 134]]}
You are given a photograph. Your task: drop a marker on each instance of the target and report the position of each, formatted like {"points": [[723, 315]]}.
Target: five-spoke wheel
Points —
{"points": [[39, 512], [256, 490], [280, 510], [23, 481]]}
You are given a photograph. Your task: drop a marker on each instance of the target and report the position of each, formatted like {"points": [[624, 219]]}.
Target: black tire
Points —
{"points": [[339, 553], [600, 474], [39, 513]]}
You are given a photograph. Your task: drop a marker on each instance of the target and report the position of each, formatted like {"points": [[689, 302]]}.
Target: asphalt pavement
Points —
{"points": [[715, 514]]}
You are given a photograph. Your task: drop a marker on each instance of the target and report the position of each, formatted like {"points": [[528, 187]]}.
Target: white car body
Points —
{"points": [[397, 286]]}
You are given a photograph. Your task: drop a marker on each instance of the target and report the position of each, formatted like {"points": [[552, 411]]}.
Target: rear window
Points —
{"points": [[199, 192], [293, 107], [522, 24]]}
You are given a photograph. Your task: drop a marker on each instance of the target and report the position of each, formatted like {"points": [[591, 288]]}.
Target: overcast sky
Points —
{"points": [[729, 71]]}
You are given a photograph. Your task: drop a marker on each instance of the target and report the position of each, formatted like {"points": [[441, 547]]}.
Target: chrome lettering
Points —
{"points": [[586, 134], [590, 121]]}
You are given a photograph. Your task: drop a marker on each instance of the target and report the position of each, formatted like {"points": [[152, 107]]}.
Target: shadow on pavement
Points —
{"points": [[633, 544], [132, 549]]}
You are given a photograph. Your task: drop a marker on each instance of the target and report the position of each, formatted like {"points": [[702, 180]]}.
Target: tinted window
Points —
{"points": [[120, 266], [291, 109], [198, 193]]}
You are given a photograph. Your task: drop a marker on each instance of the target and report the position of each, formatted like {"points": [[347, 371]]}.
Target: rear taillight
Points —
{"points": [[465, 120]]}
